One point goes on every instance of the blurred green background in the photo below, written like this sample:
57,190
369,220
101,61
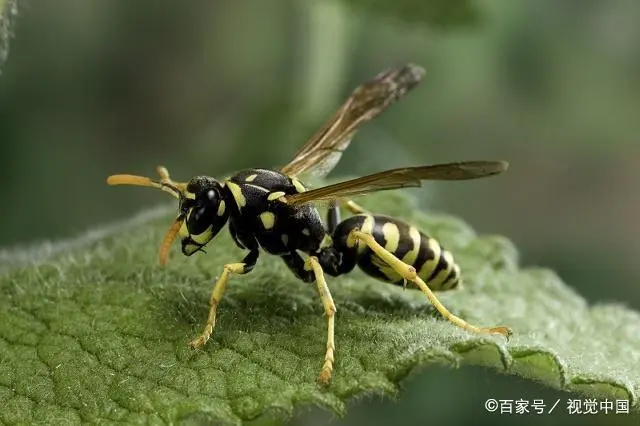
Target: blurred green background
94,87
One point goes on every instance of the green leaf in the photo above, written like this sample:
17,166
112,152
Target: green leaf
93,330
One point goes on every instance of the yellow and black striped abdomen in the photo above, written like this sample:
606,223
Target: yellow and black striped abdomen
434,264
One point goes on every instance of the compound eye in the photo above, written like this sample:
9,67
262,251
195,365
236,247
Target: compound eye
198,219
198,214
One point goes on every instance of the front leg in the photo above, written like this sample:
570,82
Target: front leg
219,287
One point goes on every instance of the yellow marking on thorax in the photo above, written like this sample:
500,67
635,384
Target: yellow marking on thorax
238,196
275,195
268,219
391,235
298,185
412,254
430,264
203,237
221,207
327,241
250,178
258,187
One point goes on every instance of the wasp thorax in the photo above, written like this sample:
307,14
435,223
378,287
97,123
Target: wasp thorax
330,259
205,213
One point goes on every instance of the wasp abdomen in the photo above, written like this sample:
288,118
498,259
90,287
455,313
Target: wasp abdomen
434,264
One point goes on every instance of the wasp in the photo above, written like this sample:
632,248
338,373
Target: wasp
271,210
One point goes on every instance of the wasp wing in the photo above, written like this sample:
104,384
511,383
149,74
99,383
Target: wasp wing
323,150
400,178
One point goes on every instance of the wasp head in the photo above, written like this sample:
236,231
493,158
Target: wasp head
204,213
202,209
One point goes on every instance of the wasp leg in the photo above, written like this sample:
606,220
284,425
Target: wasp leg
409,273
333,217
219,287
333,213
312,264
354,208
297,265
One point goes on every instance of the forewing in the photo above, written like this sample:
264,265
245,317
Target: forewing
400,178
323,150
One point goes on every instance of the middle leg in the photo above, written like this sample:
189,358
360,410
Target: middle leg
310,270
312,264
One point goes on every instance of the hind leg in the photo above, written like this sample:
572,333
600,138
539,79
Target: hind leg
333,214
409,273
354,208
